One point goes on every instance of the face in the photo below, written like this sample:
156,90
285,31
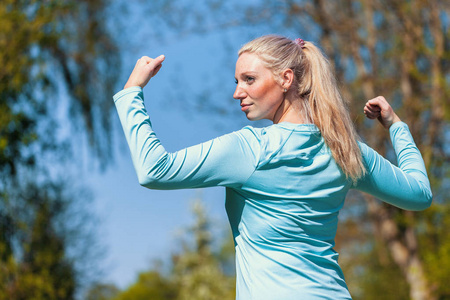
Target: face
260,95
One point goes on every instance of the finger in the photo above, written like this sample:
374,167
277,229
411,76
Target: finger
157,69
371,115
379,101
141,62
145,59
373,104
372,111
156,64
373,107
158,61
160,58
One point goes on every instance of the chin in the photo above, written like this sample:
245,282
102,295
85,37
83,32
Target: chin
251,118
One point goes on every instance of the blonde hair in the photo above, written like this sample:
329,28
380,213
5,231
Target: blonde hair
320,100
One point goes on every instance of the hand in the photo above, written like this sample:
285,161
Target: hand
379,108
144,69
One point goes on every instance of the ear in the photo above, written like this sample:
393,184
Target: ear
287,77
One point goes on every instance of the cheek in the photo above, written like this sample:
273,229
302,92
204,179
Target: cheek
272,93
268,88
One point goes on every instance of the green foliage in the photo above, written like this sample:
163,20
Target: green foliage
371,273
435,241
36,264
49,49
197,271
150,285
101,291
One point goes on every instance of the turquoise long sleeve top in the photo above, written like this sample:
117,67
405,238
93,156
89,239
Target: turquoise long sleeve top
284,192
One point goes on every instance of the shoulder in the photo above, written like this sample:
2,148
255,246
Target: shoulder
257,137
251,139
250,134
371,158
363,148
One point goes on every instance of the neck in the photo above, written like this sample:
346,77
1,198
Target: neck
289,111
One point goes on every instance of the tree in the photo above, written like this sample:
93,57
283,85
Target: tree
51,47
396,48
197,271
150,285
38,263
102,291
50,50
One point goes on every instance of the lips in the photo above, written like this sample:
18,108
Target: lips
244,107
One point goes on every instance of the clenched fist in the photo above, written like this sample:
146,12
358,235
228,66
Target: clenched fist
144,69
379,108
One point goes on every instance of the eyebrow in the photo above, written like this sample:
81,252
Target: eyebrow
247,73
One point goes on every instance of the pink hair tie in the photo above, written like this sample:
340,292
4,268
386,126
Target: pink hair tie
300,42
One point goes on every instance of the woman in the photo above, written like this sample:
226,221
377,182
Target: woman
285,183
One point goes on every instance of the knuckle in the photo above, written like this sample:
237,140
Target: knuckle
145,59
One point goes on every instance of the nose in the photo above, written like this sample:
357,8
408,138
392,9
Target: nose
239,93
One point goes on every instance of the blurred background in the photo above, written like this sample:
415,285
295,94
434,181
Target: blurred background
74,222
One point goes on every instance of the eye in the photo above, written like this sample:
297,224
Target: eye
249,79
235,81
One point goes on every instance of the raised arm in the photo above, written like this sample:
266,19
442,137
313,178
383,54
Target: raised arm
406,186
227,161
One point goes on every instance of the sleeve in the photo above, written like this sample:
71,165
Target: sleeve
228,160
406,186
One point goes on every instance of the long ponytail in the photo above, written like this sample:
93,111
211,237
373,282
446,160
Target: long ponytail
329,111
320,100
